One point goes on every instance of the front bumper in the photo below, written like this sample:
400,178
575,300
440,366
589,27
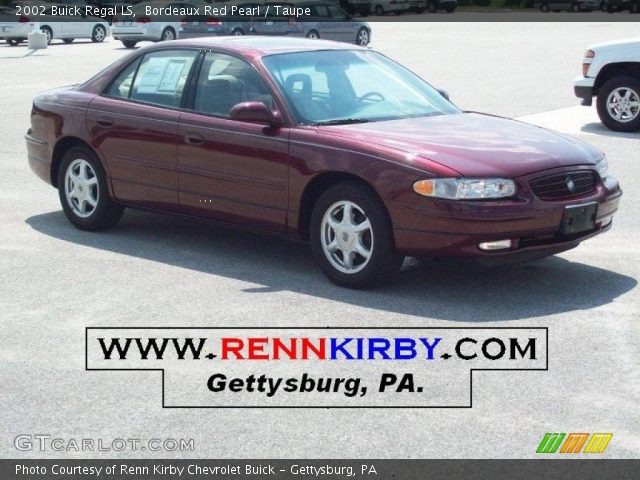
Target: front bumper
583,87
444,228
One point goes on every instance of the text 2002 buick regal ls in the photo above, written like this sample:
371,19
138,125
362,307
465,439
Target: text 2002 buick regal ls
322,141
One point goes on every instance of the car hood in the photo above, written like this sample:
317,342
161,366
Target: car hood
473,144
615,44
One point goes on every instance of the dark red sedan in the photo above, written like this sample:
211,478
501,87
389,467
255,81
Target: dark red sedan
321,141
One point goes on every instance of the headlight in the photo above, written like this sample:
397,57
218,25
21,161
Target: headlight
602,167
466,188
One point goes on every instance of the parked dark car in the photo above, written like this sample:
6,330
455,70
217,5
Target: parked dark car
569,5
432,6
320,141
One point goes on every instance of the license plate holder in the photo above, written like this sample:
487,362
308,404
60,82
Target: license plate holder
579,218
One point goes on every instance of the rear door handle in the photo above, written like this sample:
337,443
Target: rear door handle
193,139
105,122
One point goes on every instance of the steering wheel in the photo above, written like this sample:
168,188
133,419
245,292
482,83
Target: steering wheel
372,95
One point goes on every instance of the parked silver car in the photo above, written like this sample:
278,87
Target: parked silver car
326,21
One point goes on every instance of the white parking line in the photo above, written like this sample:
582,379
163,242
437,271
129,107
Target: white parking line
576,120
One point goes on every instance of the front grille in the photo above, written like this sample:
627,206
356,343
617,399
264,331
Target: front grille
564,185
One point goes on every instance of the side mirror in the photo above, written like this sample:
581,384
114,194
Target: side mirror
256,112
444,93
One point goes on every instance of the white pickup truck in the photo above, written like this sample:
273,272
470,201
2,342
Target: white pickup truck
611,73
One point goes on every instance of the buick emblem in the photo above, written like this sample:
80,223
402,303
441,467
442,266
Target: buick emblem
570,184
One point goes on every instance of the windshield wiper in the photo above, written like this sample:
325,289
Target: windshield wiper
342,121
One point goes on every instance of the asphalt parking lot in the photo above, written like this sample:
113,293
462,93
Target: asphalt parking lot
154,270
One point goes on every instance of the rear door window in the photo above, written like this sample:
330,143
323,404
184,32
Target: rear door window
162,77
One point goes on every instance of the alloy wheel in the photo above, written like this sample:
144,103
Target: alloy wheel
99,34
363,38
347,237
81,188
168,35
623,104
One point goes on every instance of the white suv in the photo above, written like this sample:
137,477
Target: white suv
611,72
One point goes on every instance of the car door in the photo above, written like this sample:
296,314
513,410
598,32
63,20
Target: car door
342,28
229,170
134,125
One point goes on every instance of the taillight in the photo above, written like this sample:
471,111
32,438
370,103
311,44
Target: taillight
23,19
143,20
214,22
292,21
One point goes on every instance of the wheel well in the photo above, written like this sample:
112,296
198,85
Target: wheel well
615,69
63,146
317,187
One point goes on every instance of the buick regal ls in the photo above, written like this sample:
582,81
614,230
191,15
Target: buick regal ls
320,141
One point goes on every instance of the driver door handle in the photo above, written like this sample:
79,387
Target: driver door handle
193,139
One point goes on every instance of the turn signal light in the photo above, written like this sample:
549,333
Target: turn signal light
424,187
586,65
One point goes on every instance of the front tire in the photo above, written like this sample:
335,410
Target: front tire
98,34
379,10
68,40
14,42
83,191
544,7
129,43
313,35
618,104
352,237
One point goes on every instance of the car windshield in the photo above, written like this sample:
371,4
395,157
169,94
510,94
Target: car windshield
352,86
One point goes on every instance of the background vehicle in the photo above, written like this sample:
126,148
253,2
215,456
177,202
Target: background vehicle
203,26
327,21
382,7
133,30
611,72
363,7
569,5
53,26
433,6
620,5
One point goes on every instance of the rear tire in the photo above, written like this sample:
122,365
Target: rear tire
84,193
68,40
450,9
313,35
614,117
168,34
337,250
544,7
14,42
379,10
432,7
575,7
363,37
129,43
48,32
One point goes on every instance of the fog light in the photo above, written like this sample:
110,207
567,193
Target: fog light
497,245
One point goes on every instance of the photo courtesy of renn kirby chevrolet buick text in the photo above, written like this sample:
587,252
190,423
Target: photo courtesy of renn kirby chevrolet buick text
321,141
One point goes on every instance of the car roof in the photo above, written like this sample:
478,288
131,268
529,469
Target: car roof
259,46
